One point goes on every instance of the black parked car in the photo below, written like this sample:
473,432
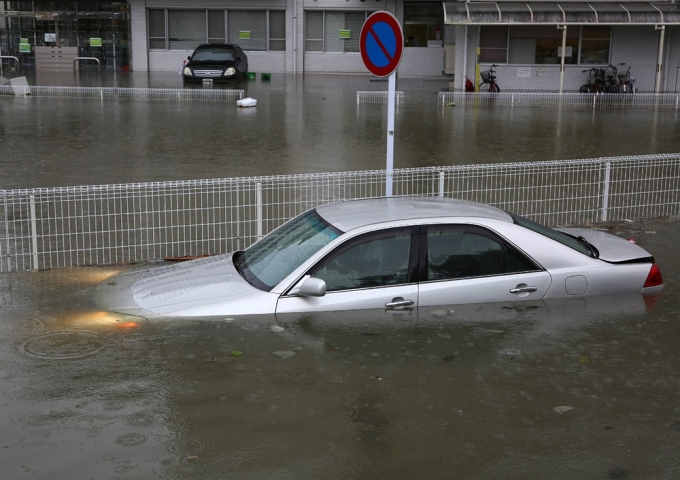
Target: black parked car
216,63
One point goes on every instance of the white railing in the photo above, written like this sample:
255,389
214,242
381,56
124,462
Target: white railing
119,93
378,97
104,224
547,99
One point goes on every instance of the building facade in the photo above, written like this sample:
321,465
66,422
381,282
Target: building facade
537,46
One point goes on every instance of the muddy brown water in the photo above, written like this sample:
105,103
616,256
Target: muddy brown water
561,393
583,390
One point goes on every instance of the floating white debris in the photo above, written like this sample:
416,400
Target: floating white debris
563,409
510,351
276,328
246,102
284,354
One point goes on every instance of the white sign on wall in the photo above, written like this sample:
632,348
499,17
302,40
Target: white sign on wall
541,71
524,72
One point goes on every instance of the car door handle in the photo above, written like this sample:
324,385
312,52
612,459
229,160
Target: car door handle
399,302
523,289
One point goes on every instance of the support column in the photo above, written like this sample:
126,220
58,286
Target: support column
659,61
564,48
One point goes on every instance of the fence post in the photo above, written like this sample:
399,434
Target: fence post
605,199
258,202
441,184
238,221
9,261
34,233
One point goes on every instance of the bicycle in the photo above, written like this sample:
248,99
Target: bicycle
627,82
489,81
595,82
611,83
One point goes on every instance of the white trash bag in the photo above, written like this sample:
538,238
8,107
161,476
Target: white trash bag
246,102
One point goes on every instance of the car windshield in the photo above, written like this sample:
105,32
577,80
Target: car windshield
267,262
561,237
213,54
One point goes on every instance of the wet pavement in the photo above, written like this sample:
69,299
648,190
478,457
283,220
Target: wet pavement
300,125
580,390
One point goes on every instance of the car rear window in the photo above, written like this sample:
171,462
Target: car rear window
213,54
560,237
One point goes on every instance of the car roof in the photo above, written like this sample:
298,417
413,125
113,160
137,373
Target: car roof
353,214
216,45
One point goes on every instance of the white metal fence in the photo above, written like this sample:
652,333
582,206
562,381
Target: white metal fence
505,99
586,100
86,225
377,96
117,93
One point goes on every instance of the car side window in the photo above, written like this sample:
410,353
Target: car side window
375,261
462,253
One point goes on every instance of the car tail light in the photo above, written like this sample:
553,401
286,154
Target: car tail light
654,278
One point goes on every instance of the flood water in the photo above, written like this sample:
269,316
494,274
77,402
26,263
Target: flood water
581,390
300,125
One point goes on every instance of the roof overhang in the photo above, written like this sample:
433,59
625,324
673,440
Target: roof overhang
562,13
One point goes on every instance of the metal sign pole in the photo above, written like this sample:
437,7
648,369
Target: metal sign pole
391,93
381,44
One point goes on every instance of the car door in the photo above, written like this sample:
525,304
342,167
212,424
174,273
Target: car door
465,264
377,270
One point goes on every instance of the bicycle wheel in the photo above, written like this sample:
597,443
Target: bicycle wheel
484,87
587,88
494,88
613,88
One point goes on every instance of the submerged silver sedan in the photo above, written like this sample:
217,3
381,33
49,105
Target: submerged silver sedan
398,253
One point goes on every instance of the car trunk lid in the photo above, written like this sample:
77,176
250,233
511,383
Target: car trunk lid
611,248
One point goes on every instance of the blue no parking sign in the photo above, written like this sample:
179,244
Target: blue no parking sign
381,43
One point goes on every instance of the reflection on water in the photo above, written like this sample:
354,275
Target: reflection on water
300,125
575,390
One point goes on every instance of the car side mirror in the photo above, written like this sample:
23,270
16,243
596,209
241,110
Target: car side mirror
310,287
189,57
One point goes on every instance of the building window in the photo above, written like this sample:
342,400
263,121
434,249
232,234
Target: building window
423,23
541,45
186,29
253,30
248,28
217,27
157,29
277,30
333,31
595,44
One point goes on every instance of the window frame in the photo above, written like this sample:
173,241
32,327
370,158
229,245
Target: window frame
366,13
579,47
429,23
267,40
473,229
412,275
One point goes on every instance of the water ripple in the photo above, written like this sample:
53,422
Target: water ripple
63,345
